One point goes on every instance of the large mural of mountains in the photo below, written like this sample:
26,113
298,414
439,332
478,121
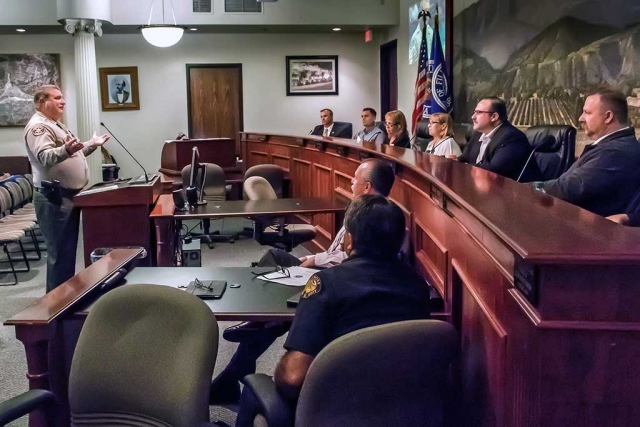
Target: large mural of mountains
545,78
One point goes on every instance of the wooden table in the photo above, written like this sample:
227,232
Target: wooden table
165,216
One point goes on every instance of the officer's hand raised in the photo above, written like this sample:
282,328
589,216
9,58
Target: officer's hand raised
97,141
72,144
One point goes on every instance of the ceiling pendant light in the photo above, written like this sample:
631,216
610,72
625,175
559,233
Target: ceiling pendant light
162,35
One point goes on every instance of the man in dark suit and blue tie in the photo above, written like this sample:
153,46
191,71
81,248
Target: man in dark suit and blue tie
331,128
497,145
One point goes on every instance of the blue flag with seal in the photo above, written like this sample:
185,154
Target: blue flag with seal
441,99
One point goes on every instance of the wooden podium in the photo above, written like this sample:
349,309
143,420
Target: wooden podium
118,217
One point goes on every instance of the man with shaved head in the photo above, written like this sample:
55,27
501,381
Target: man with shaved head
605,177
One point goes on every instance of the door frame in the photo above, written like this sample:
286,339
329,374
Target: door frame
240,99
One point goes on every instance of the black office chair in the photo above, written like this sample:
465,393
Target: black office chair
145,356
553,158
273,230
349,127
422,137
214,190
390,375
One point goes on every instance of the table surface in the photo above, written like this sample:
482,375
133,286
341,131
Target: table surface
230,208
255,299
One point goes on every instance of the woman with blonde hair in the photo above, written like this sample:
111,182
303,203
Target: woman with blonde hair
441,129
396,126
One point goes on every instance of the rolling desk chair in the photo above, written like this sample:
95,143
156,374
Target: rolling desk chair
145,356
274,174
389,375
215,190
270,230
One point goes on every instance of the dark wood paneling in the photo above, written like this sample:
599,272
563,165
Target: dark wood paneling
483,359
214,98
470,229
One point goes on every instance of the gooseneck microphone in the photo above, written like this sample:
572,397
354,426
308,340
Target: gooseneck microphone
146,177
547,143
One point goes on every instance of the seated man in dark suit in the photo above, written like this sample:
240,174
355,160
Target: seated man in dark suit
371,287
330,128
496,145
605,178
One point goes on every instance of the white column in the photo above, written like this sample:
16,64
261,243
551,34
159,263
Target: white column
87,103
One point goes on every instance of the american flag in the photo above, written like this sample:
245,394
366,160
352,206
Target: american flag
422,89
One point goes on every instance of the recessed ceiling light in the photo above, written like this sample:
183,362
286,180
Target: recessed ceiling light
193,29
337,29
20,30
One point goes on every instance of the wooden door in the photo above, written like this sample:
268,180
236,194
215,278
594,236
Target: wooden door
388,78
214,97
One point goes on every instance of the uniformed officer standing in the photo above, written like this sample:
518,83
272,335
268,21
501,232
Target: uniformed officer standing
371,287
57,155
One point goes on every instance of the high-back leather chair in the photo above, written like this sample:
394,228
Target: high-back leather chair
348,126
145,357
272,230
389,375
552,161
274,174
422,137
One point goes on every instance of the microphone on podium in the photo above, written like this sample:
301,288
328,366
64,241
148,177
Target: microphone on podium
146,177
545,145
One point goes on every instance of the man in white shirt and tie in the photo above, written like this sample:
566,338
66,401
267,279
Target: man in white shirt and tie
329,128
497,145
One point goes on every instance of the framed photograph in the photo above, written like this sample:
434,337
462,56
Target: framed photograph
21,74
312,75
119,88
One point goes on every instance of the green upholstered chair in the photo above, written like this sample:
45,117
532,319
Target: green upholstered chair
145,357
389,375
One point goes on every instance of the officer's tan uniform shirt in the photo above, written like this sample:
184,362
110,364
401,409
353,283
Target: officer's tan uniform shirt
49,158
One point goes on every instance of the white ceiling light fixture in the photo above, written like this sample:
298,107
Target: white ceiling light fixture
162,35
337,29
20,30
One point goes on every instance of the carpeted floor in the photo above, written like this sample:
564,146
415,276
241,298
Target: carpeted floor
32,285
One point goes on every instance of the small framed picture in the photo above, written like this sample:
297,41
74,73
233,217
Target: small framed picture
119,88
312,75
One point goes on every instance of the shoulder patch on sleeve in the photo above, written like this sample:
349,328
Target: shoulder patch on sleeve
38,130
313,286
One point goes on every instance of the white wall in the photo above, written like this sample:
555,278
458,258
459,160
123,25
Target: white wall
163,94
11,142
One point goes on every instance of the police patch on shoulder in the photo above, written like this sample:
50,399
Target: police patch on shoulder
313,286
38,130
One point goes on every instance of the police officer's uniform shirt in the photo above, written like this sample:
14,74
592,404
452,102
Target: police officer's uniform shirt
356,294
48,155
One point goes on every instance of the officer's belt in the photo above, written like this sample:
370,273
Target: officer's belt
67,193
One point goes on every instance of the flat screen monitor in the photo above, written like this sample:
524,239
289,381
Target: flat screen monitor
195,193
195,165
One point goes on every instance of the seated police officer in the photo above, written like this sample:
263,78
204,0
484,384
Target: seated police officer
373,176
371,287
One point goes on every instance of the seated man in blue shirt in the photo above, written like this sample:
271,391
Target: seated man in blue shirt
371,287
370,132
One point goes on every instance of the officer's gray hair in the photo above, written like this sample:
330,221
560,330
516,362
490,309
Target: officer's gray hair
43,92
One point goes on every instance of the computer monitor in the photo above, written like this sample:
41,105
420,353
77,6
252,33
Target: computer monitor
195,193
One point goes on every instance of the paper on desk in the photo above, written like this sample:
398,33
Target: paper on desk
299,276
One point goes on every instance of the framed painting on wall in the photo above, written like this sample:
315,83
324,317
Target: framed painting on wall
119,88
20,76
312,75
